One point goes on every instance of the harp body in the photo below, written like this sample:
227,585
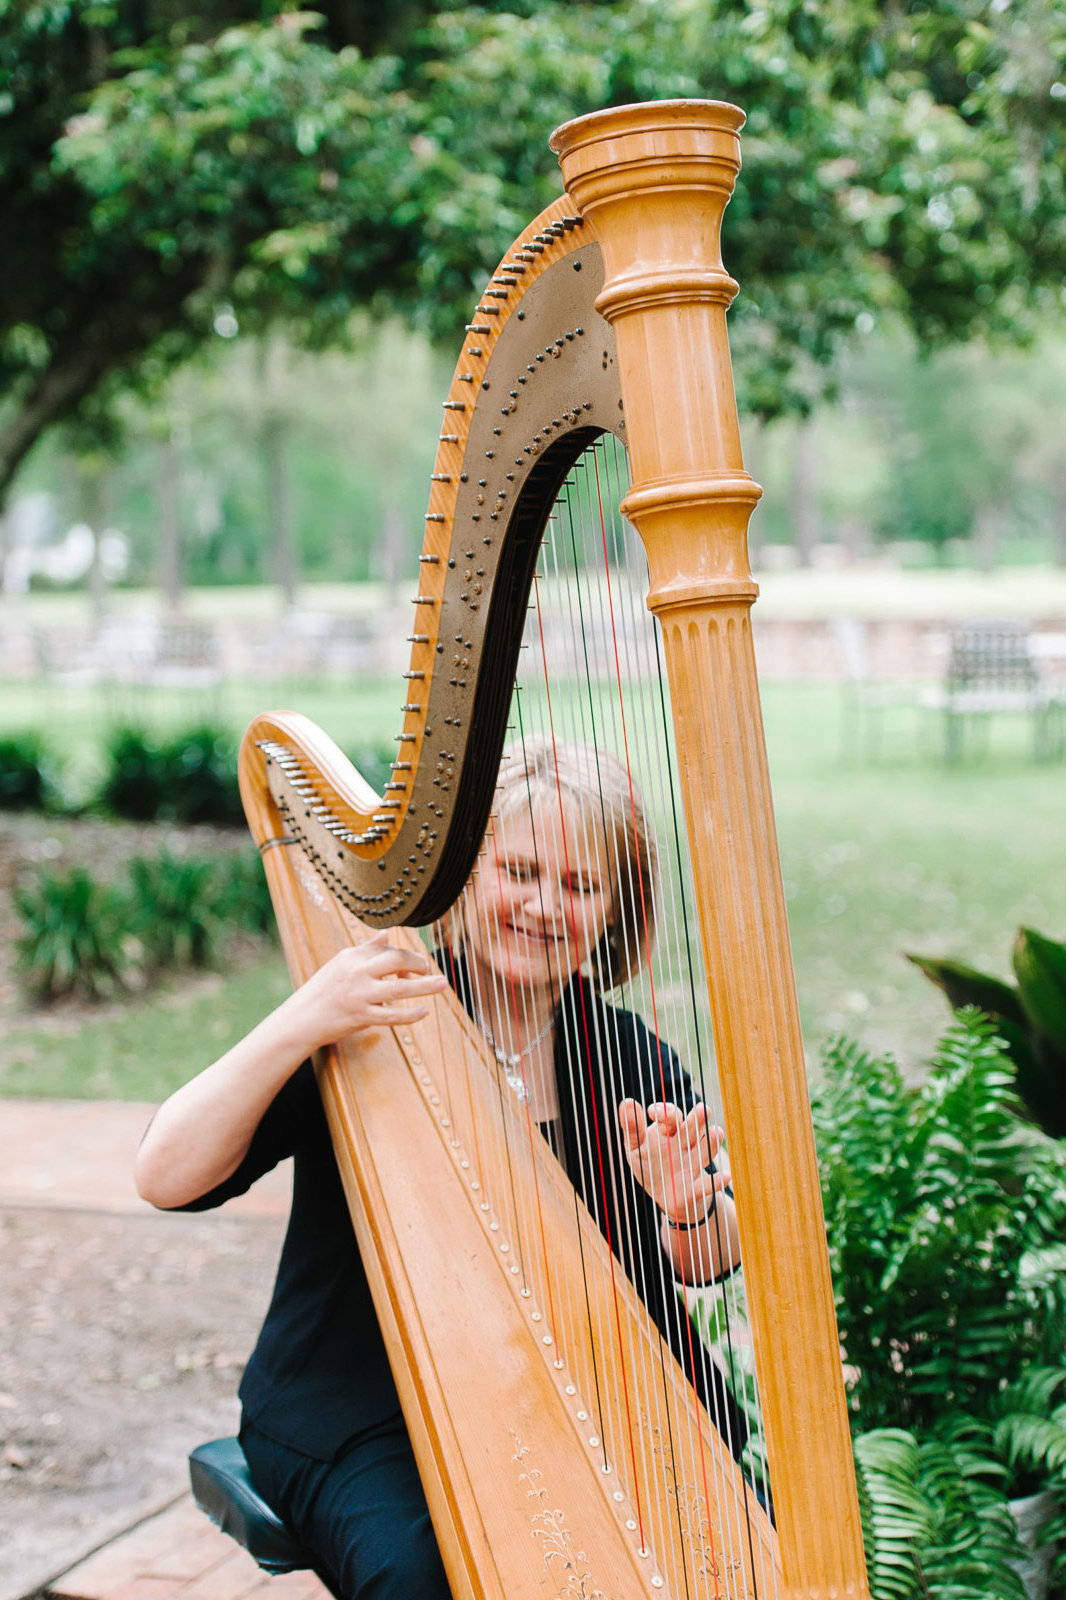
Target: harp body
607,316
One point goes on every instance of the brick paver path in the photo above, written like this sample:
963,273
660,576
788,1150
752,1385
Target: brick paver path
178,1555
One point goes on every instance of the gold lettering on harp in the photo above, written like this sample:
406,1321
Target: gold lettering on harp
311,886
558,1544
710,1566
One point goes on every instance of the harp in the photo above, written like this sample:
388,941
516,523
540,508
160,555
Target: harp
606,318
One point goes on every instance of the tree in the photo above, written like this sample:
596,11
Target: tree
160,172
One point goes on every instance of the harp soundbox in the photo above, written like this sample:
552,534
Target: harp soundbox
563,1450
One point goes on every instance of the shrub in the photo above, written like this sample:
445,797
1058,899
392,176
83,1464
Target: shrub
174,909
189,778
75,939
242,895
137,780
27,781
374,763
934,1527
1029,1014
941,1206
202,778
945,1215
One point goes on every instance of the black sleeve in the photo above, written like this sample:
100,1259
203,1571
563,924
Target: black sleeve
653,1073
284,1127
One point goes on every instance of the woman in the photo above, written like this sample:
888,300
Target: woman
559,909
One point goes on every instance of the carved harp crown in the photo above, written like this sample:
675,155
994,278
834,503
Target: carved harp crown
608,316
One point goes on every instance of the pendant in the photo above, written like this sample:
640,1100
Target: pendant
509,1066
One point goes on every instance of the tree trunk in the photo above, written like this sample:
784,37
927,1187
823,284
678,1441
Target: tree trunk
803,496
393,563
168,488
272,437
90,474
988,528
1059,514
854,536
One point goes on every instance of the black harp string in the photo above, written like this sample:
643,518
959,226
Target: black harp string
642,633
591,517
675,883
581,615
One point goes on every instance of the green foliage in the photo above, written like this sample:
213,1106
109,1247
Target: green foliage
75,939
202,778
933,1525
242,897
941,1208
27,775
250,163
945,1216
136,781
189,778
1029,1014
174,910
373,762
81,937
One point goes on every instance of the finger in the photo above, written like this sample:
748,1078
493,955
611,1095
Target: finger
395,1015
397,984
391,960
633,1123
667,1117
700,1138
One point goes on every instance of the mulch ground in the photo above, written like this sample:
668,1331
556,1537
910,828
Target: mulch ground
122,1339
122,1336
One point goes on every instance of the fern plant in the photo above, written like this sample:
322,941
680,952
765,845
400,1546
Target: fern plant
946,1215
934,1522
74,937
942,1206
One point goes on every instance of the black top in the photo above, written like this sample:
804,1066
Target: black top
319,1372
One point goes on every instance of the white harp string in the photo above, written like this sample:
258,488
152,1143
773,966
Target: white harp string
590,674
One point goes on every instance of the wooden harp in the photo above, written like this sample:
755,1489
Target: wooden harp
607,317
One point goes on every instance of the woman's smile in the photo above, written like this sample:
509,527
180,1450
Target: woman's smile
541,901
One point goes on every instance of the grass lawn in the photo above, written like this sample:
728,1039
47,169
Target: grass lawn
879,856
143,1049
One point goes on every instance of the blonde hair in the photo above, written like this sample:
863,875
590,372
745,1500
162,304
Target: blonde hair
538,768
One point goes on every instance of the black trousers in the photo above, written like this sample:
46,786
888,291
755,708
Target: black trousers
363,1516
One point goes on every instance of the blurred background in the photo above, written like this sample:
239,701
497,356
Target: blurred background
240,247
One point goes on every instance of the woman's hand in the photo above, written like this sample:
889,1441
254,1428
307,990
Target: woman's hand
200,1136
370,985
669,1154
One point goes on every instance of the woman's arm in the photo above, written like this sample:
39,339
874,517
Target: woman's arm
669,1154
201,1134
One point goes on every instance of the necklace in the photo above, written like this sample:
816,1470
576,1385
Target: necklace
510,1064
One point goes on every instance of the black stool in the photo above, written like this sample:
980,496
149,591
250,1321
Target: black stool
223,1489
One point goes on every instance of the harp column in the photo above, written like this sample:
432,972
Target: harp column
653,182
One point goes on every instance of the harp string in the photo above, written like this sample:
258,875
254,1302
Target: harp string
639,902
635,895
591,674
628,557
685,1031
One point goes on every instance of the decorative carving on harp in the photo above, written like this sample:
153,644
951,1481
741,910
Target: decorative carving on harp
563,1450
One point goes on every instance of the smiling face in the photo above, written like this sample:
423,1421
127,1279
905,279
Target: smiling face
541,900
